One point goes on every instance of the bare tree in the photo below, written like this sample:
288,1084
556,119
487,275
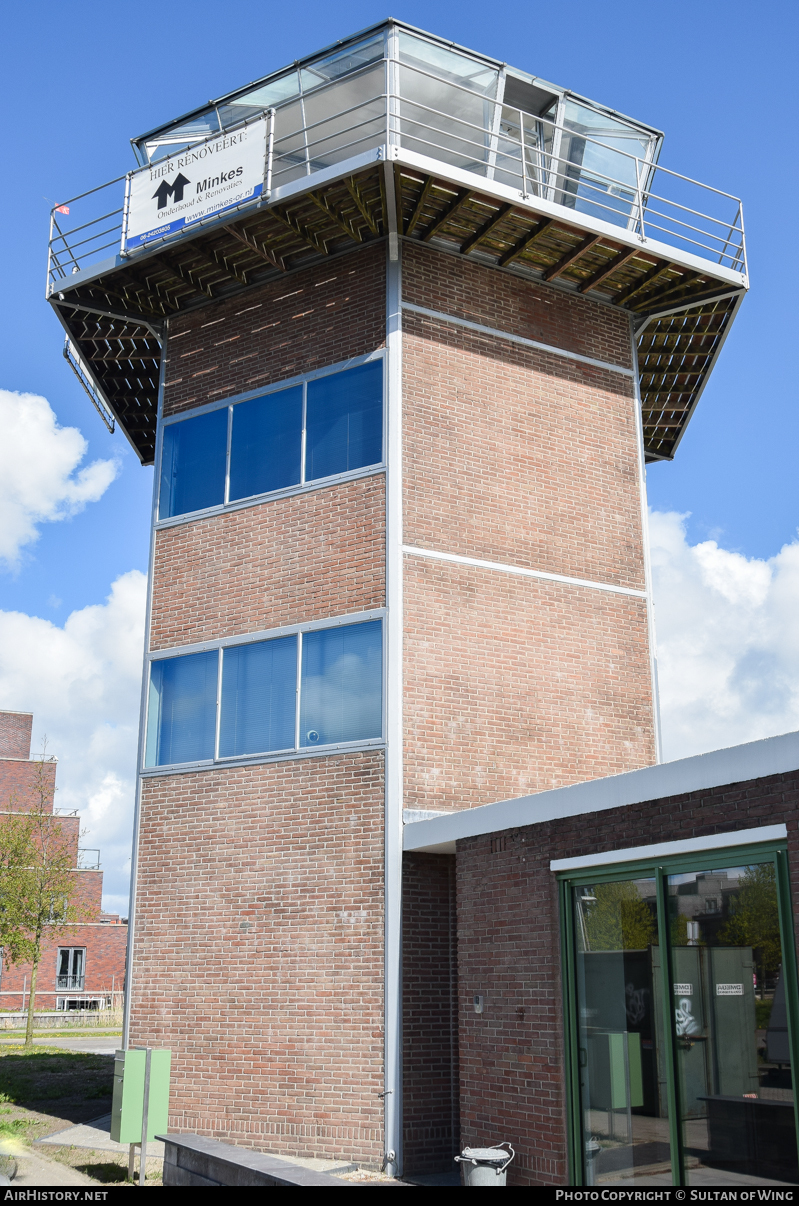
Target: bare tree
39,886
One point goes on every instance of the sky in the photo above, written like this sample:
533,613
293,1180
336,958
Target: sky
80,80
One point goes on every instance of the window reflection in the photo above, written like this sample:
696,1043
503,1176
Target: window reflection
447,106
181,713
622,1074
342,684
193,464
598,164
337,418
340,696
730,1026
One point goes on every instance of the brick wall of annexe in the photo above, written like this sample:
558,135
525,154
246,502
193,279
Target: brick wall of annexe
511,1057
430,1093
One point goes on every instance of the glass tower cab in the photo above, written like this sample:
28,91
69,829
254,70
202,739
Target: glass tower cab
396,134
482,117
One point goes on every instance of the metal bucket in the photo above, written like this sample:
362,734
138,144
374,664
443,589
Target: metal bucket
484,1165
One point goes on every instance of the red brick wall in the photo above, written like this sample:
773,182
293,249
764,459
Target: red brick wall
15,734
258,953
515,685
472,291
528,459
429,1014
281,562
518,456
511,1056
23,784
70,835
305,321
105,966
259,921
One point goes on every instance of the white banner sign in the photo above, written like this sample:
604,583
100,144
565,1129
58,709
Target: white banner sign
729,990
209,177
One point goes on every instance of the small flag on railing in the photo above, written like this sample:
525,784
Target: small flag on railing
62,209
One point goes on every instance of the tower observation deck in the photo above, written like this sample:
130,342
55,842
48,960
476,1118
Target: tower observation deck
397,133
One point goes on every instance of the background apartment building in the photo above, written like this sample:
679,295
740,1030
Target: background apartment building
82,965
399,397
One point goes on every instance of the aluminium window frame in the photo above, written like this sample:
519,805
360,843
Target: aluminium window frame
70,974
301,487
659,869
254,638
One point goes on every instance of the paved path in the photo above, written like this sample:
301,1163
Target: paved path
97,1045
97,1136
34,1168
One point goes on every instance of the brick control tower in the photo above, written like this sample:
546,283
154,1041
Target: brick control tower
399,328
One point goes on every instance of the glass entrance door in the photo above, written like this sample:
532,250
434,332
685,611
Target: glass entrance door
623,1104
681,985
734,1069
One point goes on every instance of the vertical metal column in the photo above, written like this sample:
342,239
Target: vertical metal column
134,866
496,119
650,608
392,1086
145,1111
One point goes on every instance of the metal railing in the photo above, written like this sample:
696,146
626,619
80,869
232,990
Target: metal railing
535,157
74,982
88,859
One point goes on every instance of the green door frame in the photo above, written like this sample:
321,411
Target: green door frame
660,870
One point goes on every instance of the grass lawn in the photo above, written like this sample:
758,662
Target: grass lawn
45,1089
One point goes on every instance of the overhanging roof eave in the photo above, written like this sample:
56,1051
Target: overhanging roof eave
492,188
701,772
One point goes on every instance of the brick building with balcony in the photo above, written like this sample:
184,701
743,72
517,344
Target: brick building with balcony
83,964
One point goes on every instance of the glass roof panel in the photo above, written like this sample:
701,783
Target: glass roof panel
167,142
267,95
448,64
342,62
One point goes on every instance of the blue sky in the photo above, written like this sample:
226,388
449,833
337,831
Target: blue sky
79,80
719,79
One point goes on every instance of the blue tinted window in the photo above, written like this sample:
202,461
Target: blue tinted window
193,464
342,679
181,718
266,444
344,421
259,684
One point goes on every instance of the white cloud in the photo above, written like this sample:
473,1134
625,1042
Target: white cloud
727,641
83,682
39,477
